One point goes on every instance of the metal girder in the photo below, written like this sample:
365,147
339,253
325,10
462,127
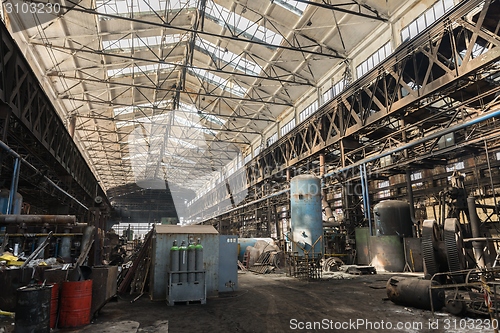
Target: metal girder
364,118
337,7
165,24
252,100
22,92
88,50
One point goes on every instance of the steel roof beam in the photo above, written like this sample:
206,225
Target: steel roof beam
164,24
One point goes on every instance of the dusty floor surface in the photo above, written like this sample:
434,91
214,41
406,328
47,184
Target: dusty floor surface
277,303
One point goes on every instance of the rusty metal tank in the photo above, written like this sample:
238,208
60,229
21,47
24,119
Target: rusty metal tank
415,292
306,215
392,217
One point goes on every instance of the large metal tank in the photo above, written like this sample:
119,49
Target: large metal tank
411,291
306,218
392,217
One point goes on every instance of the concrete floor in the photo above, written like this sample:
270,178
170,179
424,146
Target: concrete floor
277,303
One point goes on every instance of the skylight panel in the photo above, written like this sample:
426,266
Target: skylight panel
203,115
241,25
293,6
228,57
125,44
218,81
129,7
139,70
120,111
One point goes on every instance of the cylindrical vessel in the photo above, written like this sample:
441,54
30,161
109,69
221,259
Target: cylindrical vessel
191,258
392,217
76,302
16,205
54,304
65,250
414,292
306,216
199,260
183,264
174,262
33,309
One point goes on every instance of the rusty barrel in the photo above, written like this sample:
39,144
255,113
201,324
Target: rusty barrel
76,302
415,292
54,304
33,309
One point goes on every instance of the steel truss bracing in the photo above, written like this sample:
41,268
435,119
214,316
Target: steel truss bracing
36,132
446,76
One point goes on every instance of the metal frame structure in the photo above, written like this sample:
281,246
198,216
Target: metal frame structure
445,78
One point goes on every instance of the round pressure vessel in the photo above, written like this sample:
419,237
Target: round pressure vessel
183,266
191,258
174,262
306,215
199,260
392,217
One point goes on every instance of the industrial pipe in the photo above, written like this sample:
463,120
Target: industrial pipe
37,219
475,228
13,186
410,144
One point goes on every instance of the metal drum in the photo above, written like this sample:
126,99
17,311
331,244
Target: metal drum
306,215
76,303
33,309
410,291
392,217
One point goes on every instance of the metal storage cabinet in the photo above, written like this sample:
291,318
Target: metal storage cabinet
228,263
162,242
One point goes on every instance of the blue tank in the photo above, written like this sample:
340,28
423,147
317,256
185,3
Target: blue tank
306,216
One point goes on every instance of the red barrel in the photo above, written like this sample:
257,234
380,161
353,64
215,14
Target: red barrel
54,304
76,301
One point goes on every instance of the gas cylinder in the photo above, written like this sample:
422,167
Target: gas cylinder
191,257
174,262
183,266
199,260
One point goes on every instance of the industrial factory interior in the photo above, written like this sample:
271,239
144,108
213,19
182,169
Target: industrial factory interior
249,166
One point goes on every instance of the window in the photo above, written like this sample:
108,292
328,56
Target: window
426,19
256,151
287,127
498,156
383,184
416,176
309,110
456,166
272,139
293,6
374,59
227,57
248,158
335,90
218,81
240,25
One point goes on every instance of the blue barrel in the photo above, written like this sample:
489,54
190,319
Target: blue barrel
306,216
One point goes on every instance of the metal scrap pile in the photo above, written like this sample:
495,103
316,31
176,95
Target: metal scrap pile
263,257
